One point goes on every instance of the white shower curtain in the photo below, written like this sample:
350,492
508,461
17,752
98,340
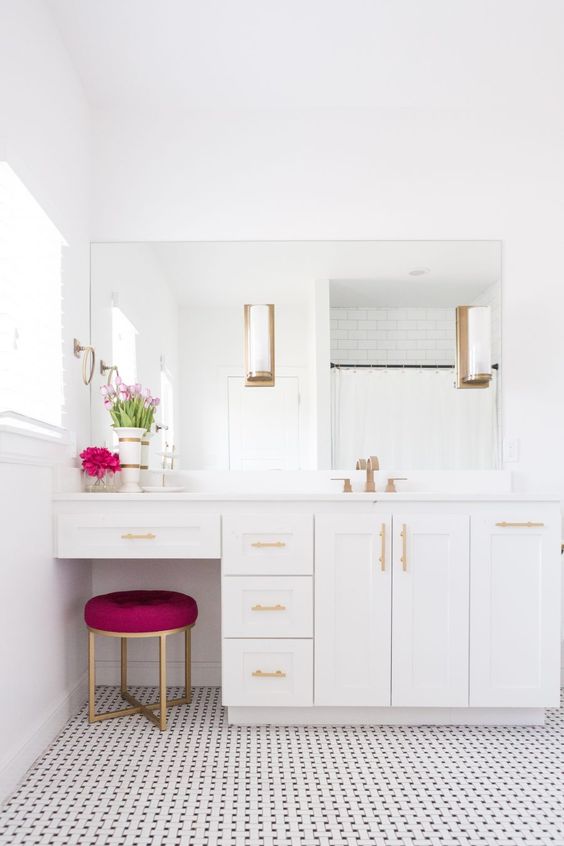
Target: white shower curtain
412,419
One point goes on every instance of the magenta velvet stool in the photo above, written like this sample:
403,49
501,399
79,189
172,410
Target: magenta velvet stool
140,613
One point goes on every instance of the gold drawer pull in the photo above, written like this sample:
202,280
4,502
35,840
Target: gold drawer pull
278,674
383,547
528,525
403,559
260,607
263,544
147,536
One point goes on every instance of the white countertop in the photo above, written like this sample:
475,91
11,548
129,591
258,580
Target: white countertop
264,496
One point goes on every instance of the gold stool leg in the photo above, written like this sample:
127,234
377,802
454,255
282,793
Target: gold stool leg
123,687
91,675
162,682
188,666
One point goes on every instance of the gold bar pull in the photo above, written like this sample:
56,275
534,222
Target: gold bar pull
264,544
383,547
147,536
528,525
278,674
260,607
403,535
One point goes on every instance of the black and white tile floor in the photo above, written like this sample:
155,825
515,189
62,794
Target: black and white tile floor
203,783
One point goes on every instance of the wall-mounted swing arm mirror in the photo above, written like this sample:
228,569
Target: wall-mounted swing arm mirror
370,356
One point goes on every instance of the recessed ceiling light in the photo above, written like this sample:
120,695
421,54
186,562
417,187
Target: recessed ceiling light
419,271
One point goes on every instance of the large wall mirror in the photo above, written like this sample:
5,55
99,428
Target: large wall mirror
365,351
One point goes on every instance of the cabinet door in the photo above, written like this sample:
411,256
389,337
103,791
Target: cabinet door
514,611
430,610
352,609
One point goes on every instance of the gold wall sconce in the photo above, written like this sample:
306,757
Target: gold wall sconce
473,347
88,359
259,346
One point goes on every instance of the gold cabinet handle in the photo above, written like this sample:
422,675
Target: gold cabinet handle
383,547
528,525
146,536
277,674
260,607
264,544
403,559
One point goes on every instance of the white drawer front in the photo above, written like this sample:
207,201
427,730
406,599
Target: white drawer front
267,606
138,536
267,672
268,545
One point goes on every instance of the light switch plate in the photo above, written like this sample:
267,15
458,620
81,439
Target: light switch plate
510,450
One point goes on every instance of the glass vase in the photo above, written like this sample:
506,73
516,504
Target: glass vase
105,484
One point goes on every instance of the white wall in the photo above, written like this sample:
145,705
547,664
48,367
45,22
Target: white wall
406,173
44,136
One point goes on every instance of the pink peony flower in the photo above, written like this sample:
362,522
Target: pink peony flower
96,461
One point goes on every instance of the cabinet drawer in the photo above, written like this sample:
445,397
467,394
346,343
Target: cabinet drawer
267,606
268,545
111,535
267,672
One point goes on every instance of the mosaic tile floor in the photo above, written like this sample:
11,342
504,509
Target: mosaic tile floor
203,783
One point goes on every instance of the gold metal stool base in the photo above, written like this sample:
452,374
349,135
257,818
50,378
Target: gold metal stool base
138,707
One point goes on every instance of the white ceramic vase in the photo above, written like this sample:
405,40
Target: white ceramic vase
129,444
145,444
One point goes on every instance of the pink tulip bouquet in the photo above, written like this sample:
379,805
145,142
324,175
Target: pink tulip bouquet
130,405
97,461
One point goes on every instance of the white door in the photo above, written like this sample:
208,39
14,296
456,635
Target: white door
514,612
430,610
264,430
352,609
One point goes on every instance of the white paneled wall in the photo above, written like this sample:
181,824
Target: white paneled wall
393,335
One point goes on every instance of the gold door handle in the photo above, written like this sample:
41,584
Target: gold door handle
403,535
264,544
146,536
383,547
277,674
260,607
528,525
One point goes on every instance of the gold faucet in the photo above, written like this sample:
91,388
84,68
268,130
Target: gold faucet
370,465
347,487
391,486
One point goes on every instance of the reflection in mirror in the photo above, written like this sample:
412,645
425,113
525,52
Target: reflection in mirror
365,353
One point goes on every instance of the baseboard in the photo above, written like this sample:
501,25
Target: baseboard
146,673
355,716
14,769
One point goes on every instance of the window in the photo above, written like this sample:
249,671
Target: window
31,356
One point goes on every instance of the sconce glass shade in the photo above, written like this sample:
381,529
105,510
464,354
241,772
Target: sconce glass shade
259,346
473,347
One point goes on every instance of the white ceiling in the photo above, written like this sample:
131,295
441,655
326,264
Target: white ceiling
292,54
361,272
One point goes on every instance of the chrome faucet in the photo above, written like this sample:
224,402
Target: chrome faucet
370,465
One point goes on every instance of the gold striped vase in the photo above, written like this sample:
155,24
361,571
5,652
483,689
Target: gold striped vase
129,445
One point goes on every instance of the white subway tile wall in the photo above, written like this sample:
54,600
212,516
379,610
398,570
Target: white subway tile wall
393,335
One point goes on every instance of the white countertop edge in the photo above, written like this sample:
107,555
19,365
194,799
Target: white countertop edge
406,496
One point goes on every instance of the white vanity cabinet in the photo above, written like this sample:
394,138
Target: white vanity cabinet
353,609
514,609
358,608
430,610
267,609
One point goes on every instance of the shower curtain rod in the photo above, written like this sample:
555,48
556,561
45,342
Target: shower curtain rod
401,366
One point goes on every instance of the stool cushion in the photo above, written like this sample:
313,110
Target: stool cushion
140,611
